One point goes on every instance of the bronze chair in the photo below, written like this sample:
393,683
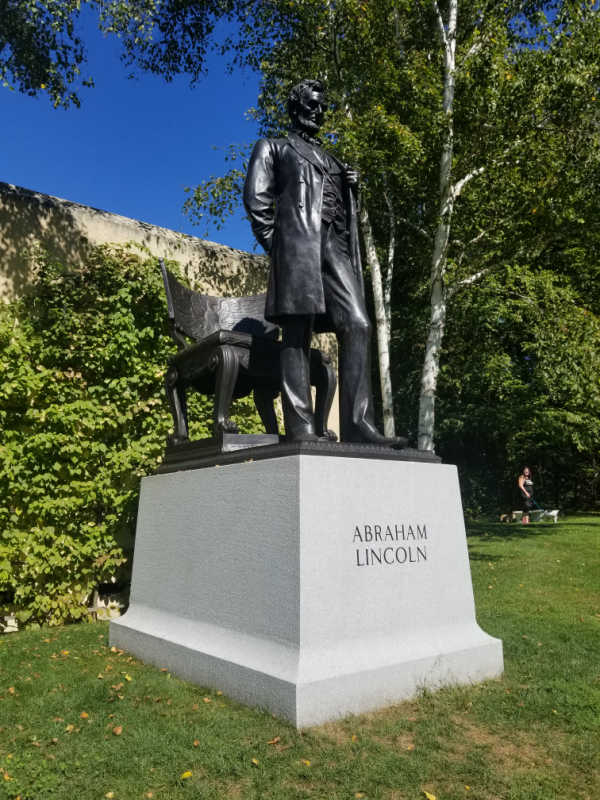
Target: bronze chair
233,351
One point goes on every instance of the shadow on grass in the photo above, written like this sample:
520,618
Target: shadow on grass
508,531
475,556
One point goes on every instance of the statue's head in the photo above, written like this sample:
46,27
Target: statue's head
306,106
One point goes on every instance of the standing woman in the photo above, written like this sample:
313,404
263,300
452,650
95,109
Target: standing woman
526,488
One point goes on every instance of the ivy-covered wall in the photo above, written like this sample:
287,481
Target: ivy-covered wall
84,417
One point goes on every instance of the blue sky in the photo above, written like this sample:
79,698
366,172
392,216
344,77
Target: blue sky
133,145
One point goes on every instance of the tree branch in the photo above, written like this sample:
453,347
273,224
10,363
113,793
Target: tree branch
472,51
440,23
416,228
451,290
460,185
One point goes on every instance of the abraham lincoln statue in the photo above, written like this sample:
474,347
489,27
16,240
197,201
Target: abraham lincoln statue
299,199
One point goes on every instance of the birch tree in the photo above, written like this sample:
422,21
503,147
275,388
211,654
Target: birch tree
550,68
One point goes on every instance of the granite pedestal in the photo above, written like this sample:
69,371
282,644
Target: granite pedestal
311,586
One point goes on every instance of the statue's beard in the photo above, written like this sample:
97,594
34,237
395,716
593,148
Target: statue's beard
307,124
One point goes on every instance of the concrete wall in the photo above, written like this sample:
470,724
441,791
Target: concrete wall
29,220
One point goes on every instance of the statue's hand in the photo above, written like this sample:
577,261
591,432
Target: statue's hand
351,176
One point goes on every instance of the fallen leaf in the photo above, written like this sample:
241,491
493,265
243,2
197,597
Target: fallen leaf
429,796
113,649
305,761
354,737
275,740
11,689
185,775
117,686
219,693
207,700
117,730
149,795
84,715
64,652
196,742
101,676
109,795
359,795
195,707
255,762
128,677
70,728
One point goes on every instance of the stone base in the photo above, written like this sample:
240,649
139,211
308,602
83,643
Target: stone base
311,586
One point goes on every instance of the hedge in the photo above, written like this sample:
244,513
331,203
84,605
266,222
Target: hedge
84,417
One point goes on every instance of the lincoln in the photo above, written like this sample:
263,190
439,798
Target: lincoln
300,202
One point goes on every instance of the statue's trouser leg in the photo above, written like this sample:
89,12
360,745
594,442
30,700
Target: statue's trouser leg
296,398
346,309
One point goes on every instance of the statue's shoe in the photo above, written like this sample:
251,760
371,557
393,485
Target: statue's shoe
365,433
302,436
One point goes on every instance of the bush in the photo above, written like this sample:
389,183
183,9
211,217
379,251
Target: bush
84,417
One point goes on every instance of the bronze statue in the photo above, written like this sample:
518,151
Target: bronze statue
300,201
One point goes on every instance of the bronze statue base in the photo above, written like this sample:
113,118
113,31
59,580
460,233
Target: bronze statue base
228,449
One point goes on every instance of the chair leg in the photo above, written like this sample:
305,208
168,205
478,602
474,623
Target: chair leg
263,400
323,378
225,361
175,390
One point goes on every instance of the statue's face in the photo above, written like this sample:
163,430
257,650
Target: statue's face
309,111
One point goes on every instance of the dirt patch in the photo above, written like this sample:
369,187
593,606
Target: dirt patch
232,791
517,752
373,725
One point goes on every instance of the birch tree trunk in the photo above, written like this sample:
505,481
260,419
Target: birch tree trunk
382,322
437,316
383,312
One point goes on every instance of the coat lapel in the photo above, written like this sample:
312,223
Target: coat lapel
307,152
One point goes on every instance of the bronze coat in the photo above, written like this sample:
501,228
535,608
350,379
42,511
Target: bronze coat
283,196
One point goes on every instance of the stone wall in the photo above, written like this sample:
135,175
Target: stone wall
29,220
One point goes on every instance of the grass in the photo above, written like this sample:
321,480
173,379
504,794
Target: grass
78,720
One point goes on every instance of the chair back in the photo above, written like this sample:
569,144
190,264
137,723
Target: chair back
197,316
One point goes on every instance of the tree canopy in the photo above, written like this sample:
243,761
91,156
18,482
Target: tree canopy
42,49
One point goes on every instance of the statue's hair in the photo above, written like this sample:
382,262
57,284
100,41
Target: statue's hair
296,92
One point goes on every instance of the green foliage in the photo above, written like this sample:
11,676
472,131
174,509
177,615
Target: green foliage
218,197
520,386
40,47
84,416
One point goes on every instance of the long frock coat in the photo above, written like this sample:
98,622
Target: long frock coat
283,196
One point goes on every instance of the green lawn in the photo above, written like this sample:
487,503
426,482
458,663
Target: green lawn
80,721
